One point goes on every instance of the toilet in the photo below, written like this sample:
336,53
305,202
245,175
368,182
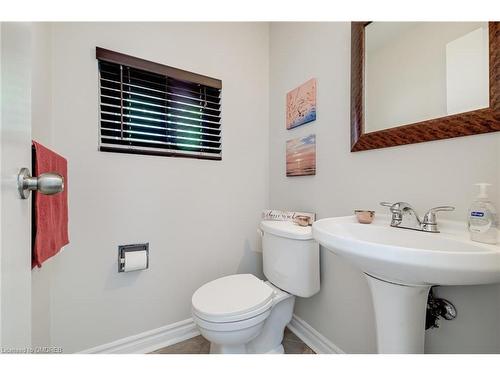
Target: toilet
243,314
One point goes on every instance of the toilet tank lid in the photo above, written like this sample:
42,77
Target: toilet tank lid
287,229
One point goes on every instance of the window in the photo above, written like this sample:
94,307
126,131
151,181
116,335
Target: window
154,109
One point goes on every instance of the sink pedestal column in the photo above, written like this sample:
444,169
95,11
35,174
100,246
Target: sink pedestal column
399,316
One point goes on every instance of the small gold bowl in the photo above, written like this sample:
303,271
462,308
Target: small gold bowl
364,216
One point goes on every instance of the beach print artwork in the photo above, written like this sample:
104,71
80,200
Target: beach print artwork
301,156
301,104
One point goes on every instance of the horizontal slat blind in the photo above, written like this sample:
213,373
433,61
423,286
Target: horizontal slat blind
149,113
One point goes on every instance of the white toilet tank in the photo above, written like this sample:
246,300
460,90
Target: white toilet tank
290,257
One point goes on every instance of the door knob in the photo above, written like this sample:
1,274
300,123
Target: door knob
46,183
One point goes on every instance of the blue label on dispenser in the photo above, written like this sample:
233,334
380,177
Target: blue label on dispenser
477,214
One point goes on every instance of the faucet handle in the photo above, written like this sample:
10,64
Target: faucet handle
442,208
386,204
429,223
430,216
398,206
395,210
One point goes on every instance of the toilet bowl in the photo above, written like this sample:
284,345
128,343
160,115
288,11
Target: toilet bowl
243,314
227,338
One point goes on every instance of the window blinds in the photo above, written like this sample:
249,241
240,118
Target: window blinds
149,108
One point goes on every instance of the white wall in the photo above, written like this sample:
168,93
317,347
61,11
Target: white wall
200,217
425,175
467,72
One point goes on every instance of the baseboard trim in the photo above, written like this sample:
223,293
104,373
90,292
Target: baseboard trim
312,338
149,341
171,334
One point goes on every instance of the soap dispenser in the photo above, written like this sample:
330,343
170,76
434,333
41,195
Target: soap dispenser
483,220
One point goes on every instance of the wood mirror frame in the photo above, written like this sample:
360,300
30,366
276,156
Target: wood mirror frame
483,120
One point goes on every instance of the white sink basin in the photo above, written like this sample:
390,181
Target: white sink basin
401,265
411,257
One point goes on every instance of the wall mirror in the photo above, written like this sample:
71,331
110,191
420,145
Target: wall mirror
421,81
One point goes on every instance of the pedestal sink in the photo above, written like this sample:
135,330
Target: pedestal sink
401,265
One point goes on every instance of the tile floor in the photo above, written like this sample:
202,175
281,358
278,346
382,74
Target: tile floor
198,345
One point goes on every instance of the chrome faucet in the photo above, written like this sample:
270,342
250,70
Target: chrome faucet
405,216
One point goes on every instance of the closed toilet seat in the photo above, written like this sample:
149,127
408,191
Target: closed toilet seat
232,298
231,326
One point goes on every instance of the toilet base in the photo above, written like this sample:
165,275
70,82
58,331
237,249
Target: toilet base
271,337
227,349
240,349
278,350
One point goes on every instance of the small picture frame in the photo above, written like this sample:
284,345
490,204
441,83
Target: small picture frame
301,104
301,156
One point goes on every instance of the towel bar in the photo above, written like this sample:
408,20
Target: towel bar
46,183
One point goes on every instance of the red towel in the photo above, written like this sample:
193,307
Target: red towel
50,211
